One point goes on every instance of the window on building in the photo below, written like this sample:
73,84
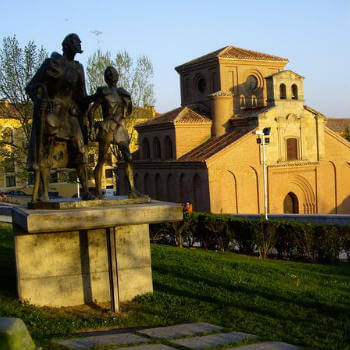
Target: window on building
283,92
292,149
254,101
109,173
146,154
294,92
9,165
10,181
242,103
168,146
251,83
156,148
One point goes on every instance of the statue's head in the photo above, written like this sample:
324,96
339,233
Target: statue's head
111,76
72,43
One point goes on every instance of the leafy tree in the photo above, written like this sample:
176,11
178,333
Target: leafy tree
134,75
17,66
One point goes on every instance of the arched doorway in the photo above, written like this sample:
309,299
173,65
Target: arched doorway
291,204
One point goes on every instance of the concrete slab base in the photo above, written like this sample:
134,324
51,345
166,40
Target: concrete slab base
104,257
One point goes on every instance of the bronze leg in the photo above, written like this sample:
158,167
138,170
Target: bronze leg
102,155
129,170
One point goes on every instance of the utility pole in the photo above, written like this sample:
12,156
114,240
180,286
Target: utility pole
263,140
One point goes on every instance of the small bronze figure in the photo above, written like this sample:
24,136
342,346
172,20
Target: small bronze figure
116,106
60,105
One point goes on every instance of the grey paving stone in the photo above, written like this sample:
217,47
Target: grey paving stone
269,345
147,347
212,340
180,330
109,339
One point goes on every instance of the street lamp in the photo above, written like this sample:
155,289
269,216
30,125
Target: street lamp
263,140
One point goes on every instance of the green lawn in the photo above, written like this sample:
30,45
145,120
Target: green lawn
298,303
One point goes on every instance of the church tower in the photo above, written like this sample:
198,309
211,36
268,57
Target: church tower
228,81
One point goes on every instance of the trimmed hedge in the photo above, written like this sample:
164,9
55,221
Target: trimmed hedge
284,239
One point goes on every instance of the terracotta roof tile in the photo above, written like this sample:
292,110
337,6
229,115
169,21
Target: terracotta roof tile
233,52
179,115
338,124
212,146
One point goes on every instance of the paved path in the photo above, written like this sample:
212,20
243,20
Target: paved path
183,336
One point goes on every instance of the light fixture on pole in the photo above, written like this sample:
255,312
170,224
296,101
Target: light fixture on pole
263,140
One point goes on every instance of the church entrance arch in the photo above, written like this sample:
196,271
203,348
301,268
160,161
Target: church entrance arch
291,204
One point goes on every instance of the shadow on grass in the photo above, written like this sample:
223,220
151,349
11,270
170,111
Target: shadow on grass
192,278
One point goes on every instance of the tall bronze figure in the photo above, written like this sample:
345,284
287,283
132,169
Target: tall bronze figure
116,105
60,105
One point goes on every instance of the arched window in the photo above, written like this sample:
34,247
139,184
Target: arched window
242,103
292,149
168,147
137,182
197,192
171,188
146,184
156,148
294,92
158,187
283,92
254,101
183,197
127,185
146,154
291,204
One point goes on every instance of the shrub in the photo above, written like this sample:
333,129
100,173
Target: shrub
291,240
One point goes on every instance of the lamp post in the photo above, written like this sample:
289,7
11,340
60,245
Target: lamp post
263,140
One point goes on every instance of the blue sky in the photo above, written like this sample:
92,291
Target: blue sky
313,34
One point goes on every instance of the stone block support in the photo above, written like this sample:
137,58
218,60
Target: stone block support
89,265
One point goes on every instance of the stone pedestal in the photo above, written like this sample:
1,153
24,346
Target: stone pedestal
76,256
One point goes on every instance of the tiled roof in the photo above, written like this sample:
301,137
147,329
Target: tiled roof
178,116
338,124
233,52
212,146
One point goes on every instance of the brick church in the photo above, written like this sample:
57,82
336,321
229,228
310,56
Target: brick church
205,153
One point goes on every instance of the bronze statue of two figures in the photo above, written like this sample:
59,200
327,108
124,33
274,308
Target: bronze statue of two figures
62,114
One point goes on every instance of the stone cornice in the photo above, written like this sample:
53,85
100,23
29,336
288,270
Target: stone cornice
291,164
